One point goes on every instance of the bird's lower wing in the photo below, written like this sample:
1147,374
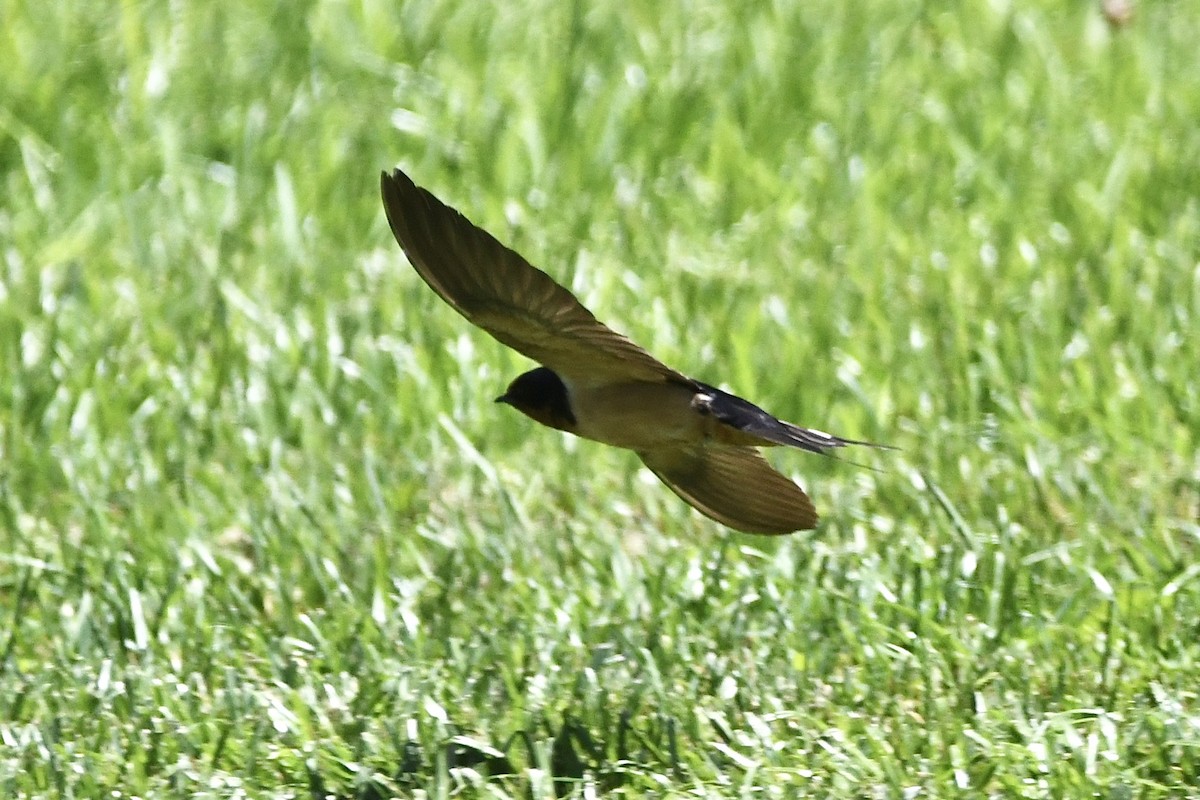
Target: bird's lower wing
735,486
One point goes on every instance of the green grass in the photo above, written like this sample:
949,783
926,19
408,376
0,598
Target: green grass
264,534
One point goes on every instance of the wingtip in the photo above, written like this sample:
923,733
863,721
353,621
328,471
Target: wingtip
395,180
397,191
387,184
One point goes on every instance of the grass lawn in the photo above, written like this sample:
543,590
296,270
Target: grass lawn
264,534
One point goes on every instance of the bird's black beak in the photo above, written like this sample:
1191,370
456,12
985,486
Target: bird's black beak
502,399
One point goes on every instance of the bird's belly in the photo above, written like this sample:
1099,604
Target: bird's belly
639,416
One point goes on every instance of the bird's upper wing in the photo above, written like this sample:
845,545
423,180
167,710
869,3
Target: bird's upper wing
498,290
735,486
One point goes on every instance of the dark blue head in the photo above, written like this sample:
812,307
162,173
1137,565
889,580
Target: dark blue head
542,396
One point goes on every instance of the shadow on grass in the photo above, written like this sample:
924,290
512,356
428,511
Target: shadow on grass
571,756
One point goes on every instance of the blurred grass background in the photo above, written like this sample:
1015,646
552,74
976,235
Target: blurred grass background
265,535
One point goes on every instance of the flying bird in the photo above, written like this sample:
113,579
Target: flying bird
700,441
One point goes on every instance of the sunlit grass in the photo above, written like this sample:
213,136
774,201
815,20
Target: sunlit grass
265,533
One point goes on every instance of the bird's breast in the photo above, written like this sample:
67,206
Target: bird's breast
637,415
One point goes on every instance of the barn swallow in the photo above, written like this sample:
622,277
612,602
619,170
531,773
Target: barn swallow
700,441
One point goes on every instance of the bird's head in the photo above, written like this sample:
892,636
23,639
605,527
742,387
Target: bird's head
542,396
